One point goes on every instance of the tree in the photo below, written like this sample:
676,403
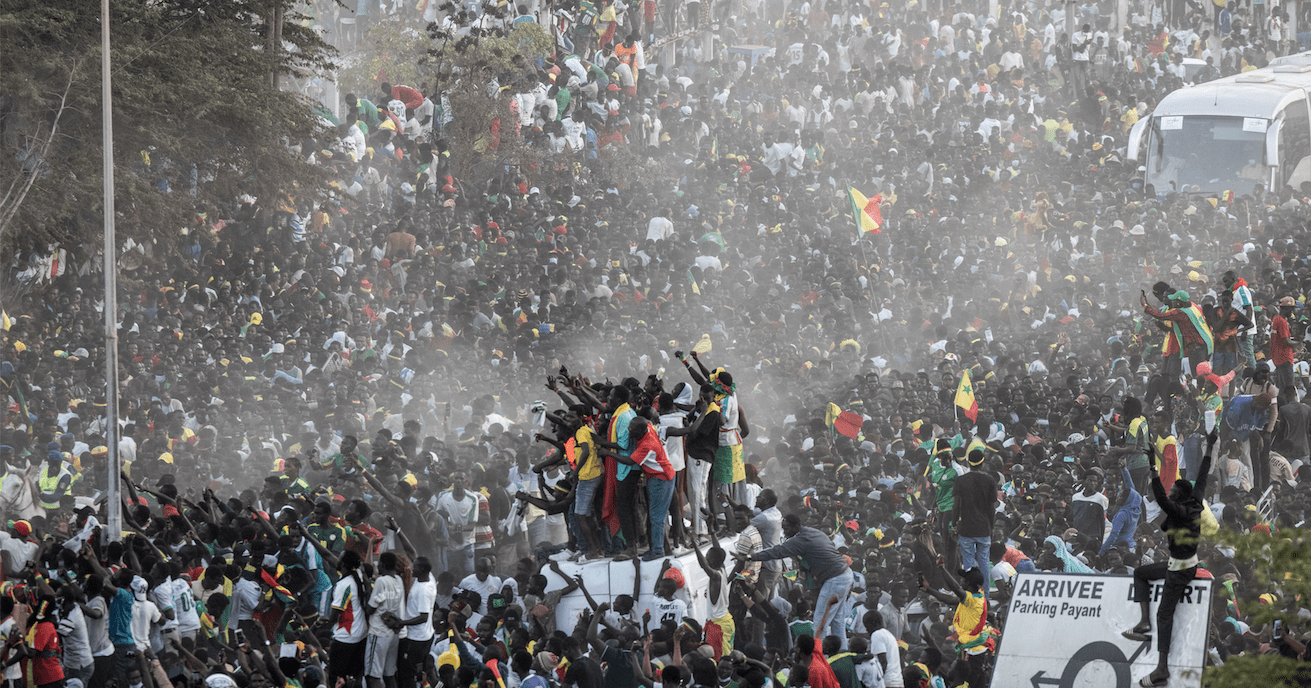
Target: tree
472,73
1278,567
197,121
390,51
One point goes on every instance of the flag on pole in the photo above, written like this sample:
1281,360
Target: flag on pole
965,397
5,322
865,212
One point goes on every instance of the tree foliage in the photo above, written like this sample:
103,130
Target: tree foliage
193,100
1277,565
391,51
471,72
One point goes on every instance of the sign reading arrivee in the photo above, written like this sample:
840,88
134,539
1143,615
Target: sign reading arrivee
1064,630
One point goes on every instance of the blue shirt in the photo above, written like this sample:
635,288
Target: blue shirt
120,618
1242,417
624,441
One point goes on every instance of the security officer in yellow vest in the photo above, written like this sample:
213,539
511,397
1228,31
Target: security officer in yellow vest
55,480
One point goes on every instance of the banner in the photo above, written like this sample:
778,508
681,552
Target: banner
1063,630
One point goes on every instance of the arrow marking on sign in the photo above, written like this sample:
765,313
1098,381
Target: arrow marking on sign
1039,679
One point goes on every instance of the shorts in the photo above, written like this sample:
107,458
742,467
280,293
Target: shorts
585,494
729,467
380,655
346,659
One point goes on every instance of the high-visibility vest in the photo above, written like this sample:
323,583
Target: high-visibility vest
49,485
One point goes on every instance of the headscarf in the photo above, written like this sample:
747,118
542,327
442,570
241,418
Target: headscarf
1072,564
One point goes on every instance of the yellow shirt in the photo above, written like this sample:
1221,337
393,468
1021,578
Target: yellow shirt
969,621
591,468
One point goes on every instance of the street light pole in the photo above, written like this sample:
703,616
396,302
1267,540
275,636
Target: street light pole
115,515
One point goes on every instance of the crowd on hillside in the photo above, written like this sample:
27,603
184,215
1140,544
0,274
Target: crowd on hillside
362,435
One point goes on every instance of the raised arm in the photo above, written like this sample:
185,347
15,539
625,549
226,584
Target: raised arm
1204,470
592,638
642,670
405,539
571,583
705,372
328,557
382,491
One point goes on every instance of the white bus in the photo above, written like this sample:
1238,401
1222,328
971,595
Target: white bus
1230,134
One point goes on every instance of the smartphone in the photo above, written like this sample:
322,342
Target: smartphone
240,636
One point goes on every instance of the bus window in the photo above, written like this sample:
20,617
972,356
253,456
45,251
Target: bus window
1295,145
1205,154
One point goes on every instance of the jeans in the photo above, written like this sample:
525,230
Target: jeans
1246,355
839,585
626,499
461,560
1175,584
122,662
539,533
659,493
974,553
1224,361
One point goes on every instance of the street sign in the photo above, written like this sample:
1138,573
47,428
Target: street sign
1064,631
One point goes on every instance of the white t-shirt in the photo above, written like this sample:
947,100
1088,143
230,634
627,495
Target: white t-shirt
162,596
350,626
673,445
20,552
388,596
881,642
184,606
97,629
421,600
144,613
1077,40
870,674
659,228
670,610
461,512
8,630
486,588
73,636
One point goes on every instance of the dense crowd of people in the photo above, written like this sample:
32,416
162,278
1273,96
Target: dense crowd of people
363,435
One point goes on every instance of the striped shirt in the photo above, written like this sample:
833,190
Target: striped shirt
748,543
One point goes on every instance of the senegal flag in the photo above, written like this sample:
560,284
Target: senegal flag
965,397
865,212
843,422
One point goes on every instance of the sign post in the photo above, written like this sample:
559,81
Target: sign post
1065,630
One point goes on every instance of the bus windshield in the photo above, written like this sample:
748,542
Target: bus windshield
1206,154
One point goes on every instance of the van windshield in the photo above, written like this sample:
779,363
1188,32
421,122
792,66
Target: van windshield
1206,154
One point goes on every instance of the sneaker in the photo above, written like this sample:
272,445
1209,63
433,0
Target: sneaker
652,556
563,555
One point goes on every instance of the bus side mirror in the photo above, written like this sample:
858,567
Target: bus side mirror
1136,138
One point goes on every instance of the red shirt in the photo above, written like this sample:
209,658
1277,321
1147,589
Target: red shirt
649,453
45,665
367,541
1014,556
1280,352
821,674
